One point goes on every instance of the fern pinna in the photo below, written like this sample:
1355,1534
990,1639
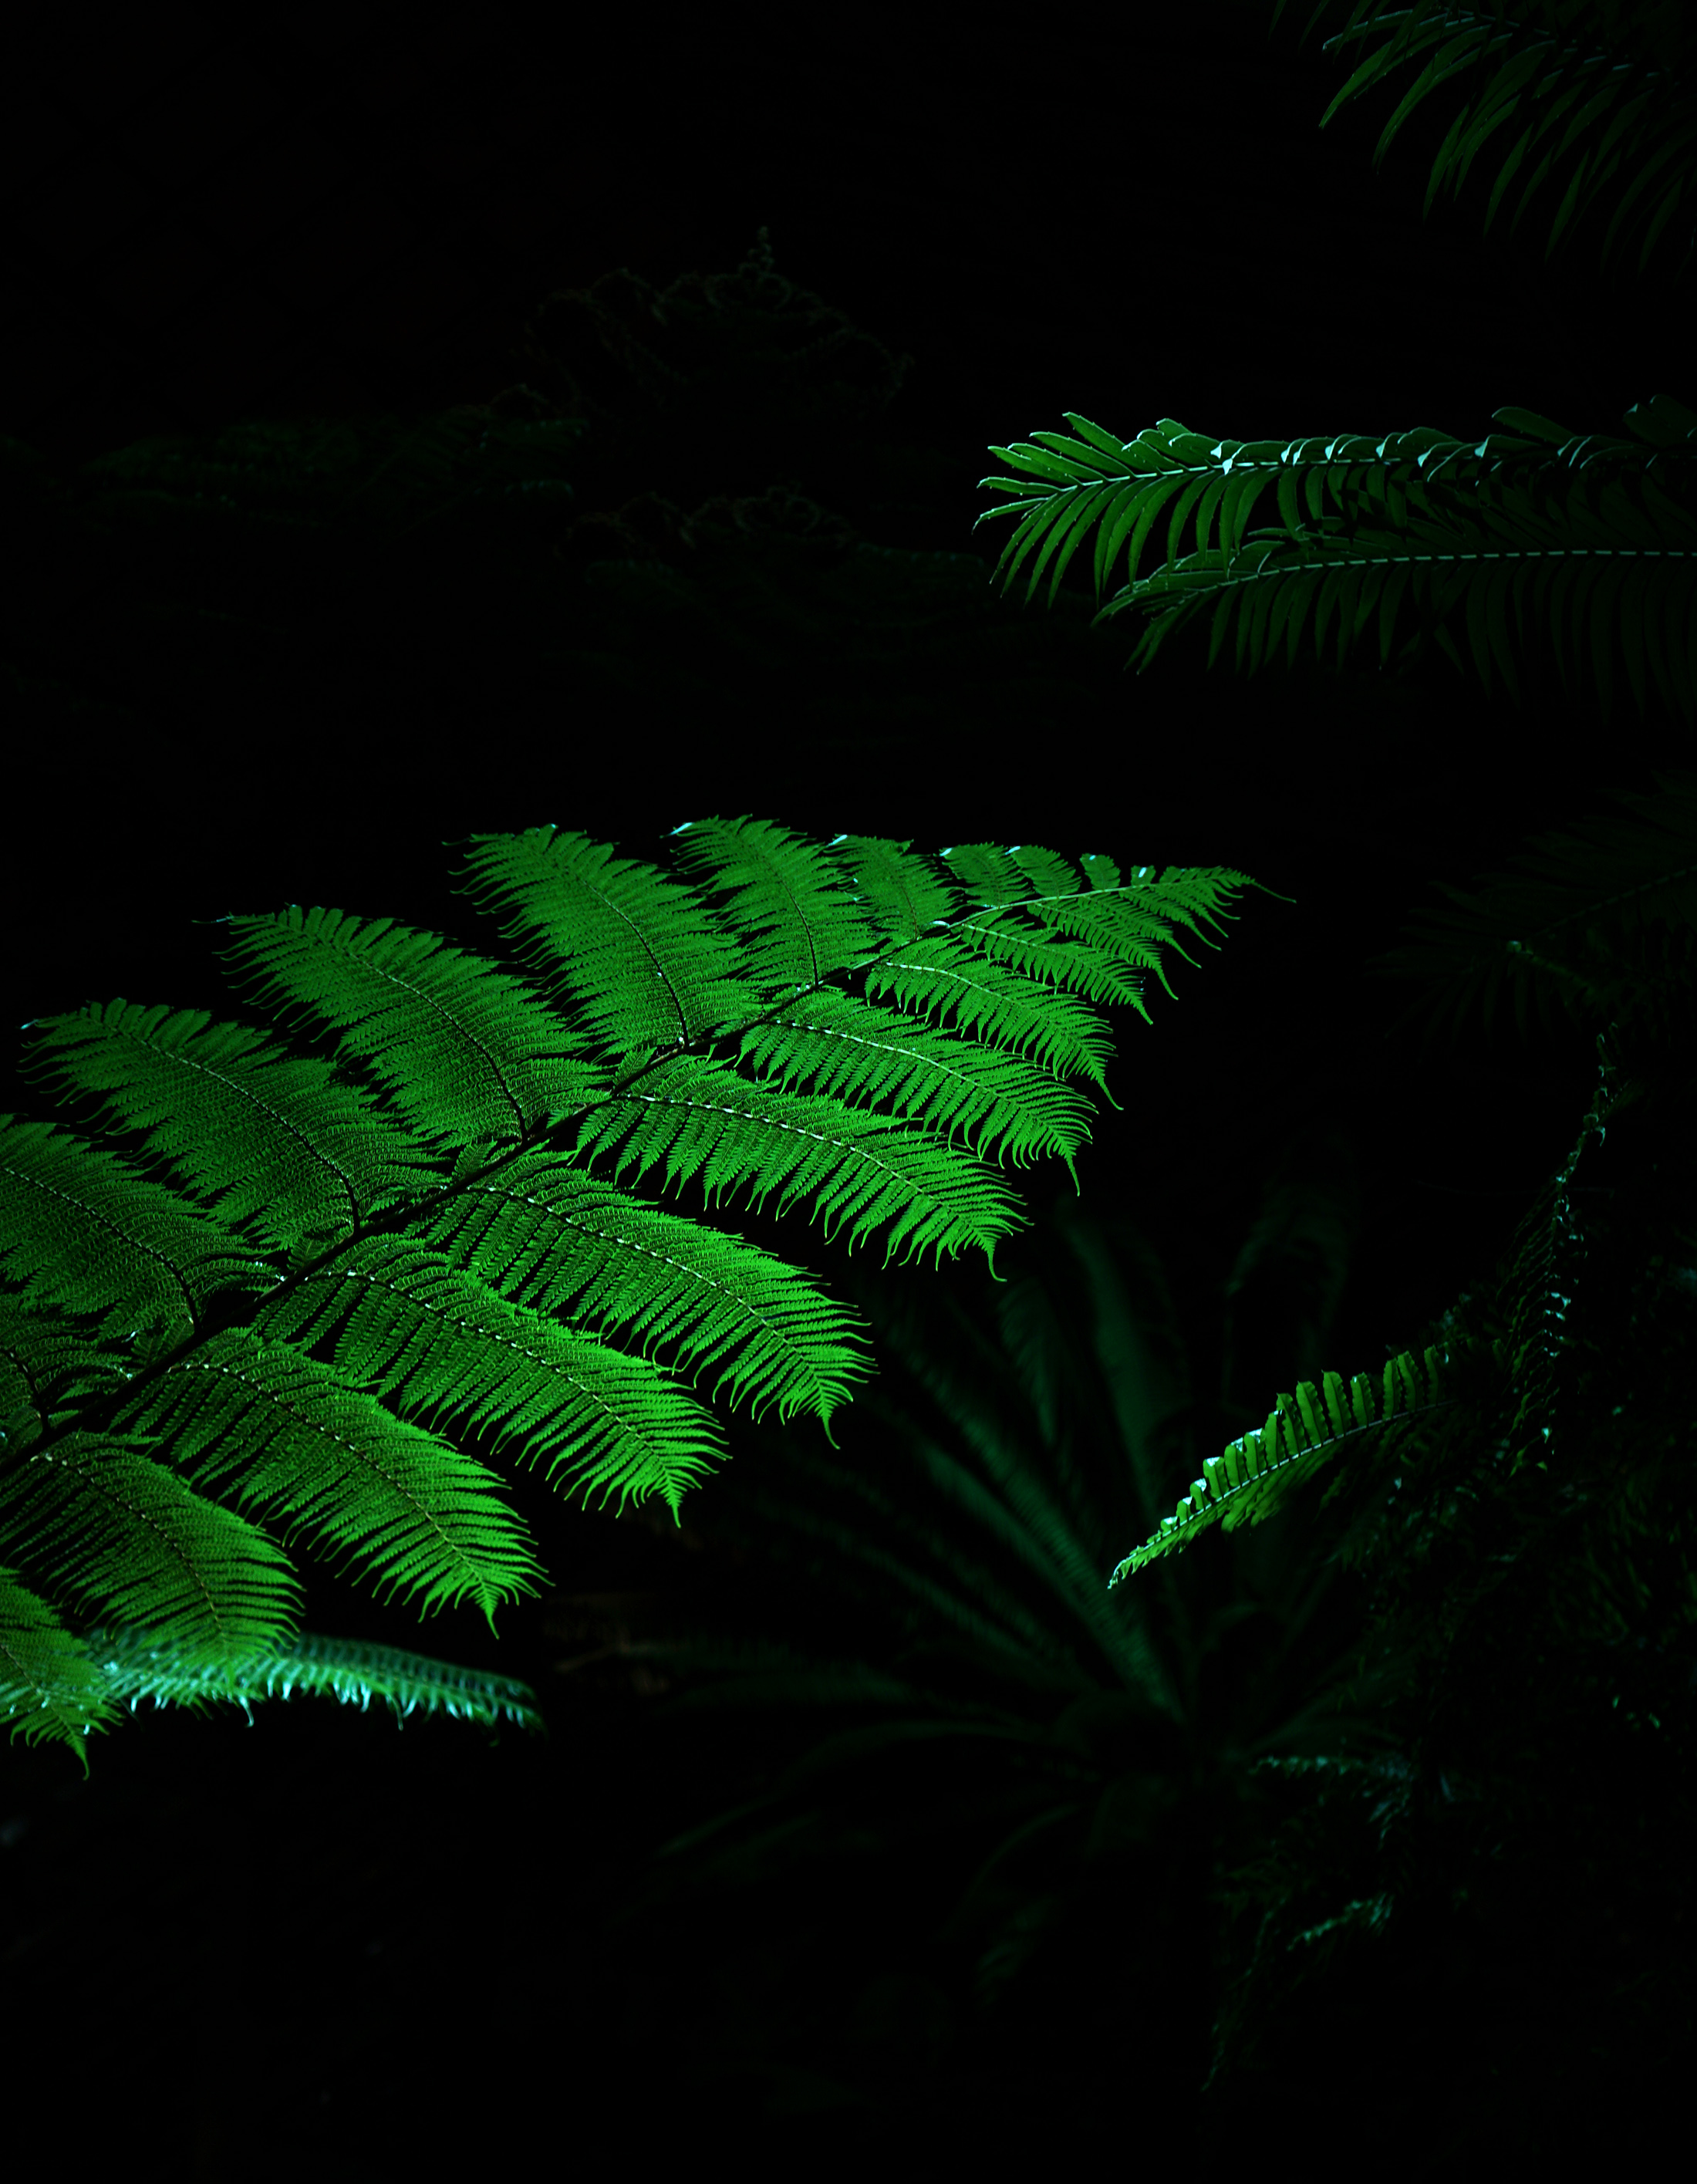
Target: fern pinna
267,1314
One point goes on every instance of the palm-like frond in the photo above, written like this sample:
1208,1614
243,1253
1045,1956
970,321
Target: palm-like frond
306,1280
1596,92
1591,539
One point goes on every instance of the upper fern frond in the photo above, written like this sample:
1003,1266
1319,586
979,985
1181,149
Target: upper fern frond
1598,96
1591,536
300,1282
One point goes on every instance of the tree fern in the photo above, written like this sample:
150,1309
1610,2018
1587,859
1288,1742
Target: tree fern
287,1303
1598,91
1591,541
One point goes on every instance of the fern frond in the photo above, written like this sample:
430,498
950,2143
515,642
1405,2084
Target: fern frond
250,1418
1252,1477
49,1358
440,1344
131,1667
97,1520
307,1278
641,959
565,1243
49,1686
467,1052
902,894
697,1119
847,1049
947,978
1608,86
1593,537
784,898
289,1152
83,1229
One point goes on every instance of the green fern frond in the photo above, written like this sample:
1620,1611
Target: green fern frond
785,899
50,1688
83,1229
132,1668
849,1050
286,1149
700,1121
1608,84
639,956
1591,538
468,1053
49,1358
1252,1477
115,1531
248,1415
565,1243
439,1344
304,1280
947,978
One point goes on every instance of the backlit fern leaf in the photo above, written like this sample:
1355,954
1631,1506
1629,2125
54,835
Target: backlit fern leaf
304,1282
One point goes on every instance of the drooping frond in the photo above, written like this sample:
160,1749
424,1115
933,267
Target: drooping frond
1251,1477
1599,921
306,1281
348,1670
1594,99
56,1684
1592,540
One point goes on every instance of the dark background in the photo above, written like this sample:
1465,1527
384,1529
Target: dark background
354,1942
